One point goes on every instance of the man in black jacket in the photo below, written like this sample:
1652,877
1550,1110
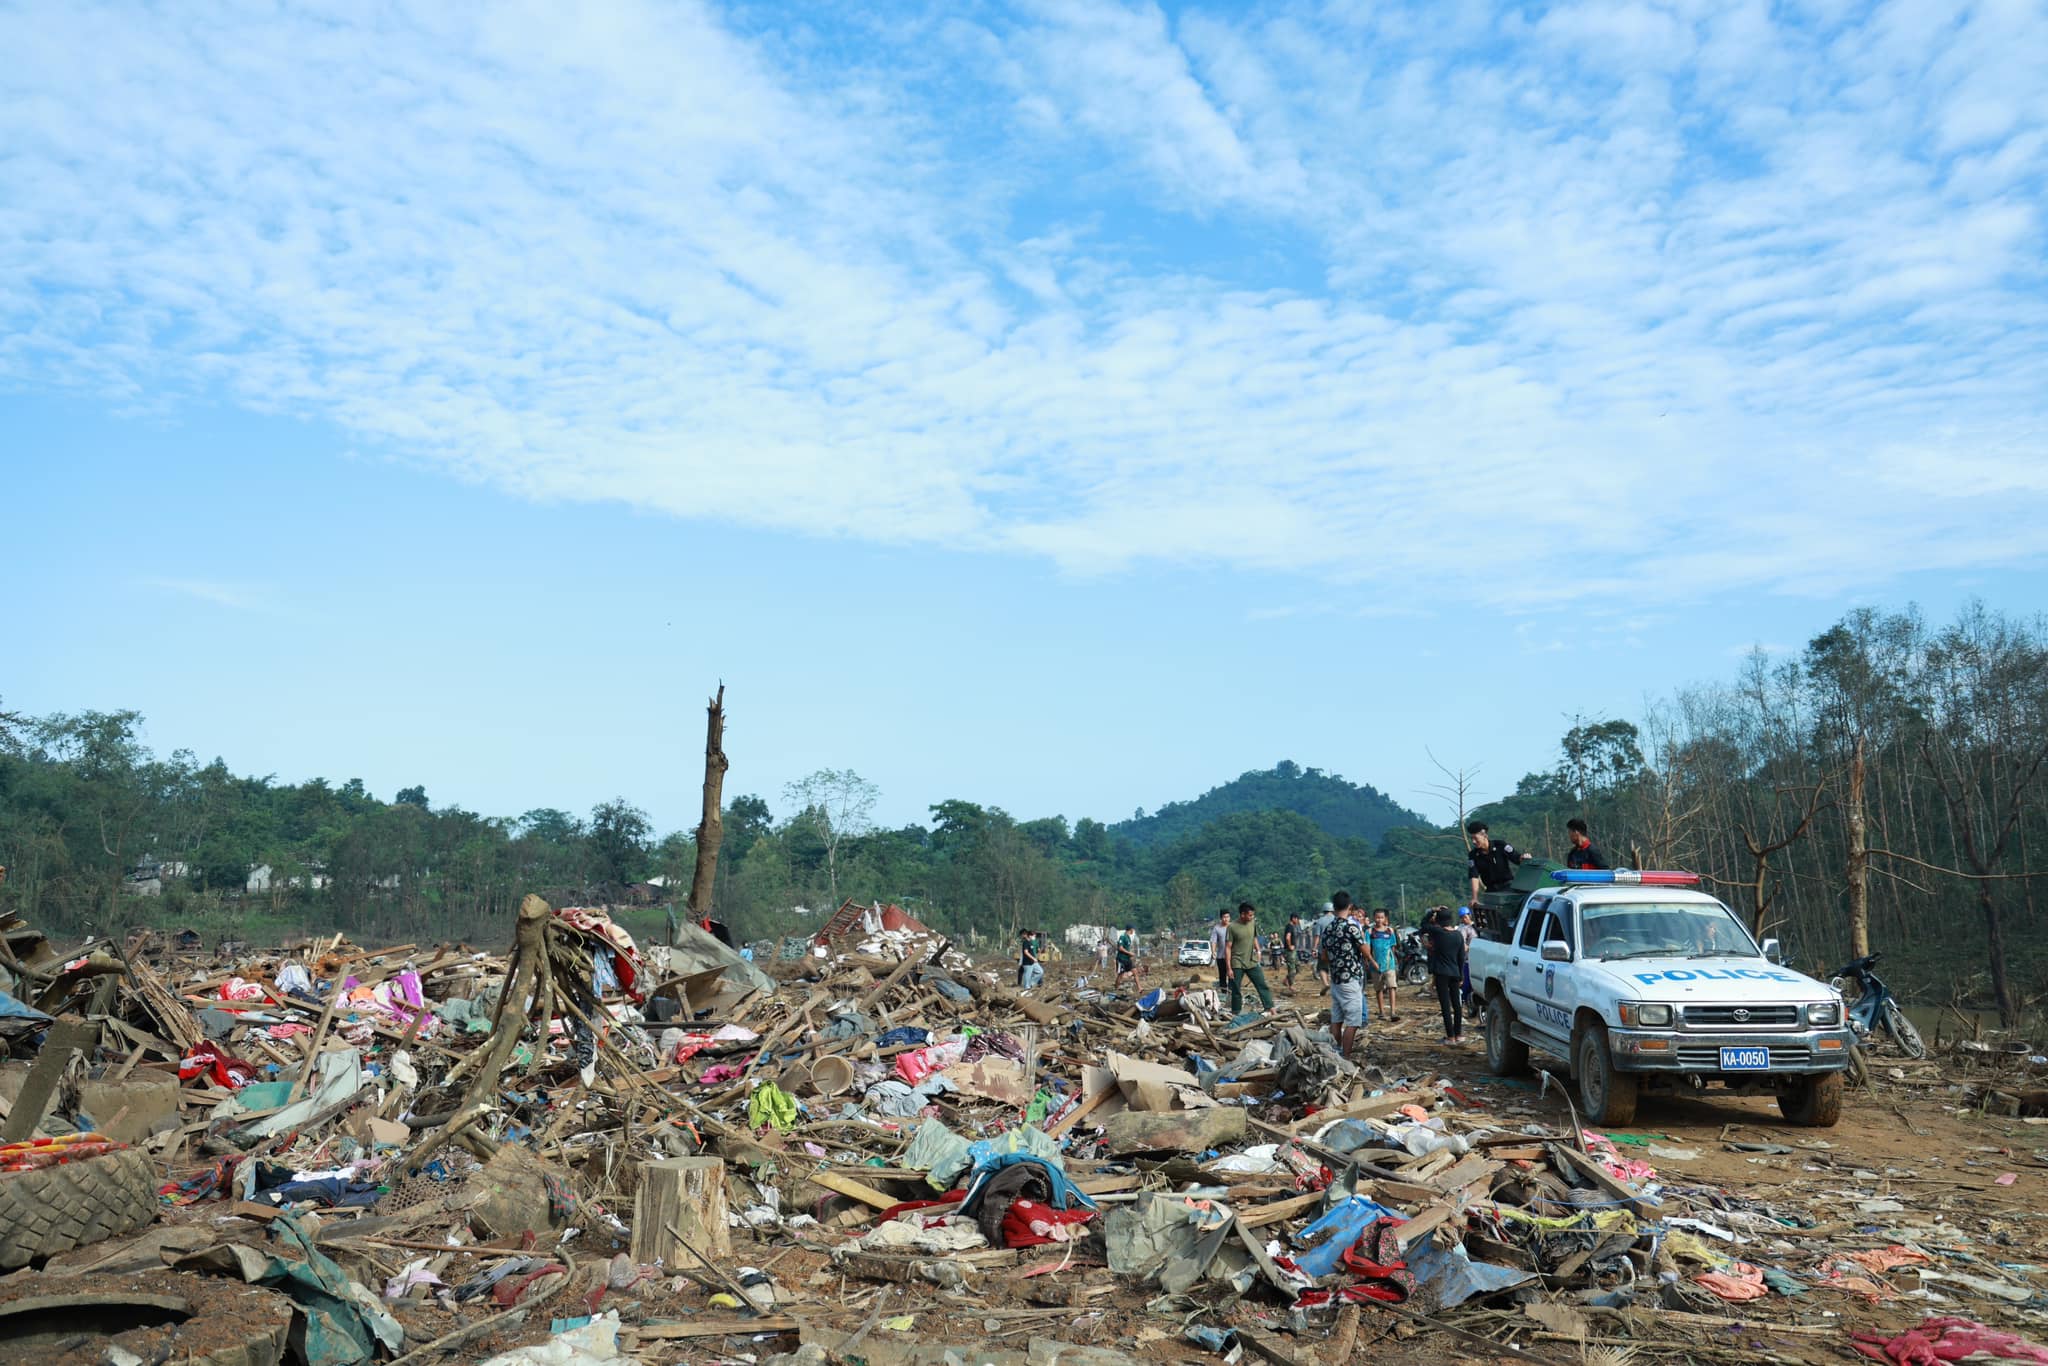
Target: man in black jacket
1490,864
1447,968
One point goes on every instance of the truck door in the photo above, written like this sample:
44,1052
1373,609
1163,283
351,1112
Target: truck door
1541,992
1532,984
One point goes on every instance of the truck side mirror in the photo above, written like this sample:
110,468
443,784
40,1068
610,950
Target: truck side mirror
1556,951
1774,951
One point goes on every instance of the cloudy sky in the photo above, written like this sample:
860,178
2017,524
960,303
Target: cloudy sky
1063,405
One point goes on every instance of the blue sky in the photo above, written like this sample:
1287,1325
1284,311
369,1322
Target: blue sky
1064,406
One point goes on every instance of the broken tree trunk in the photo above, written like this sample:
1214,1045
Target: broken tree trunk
529,956
679,1212
711,828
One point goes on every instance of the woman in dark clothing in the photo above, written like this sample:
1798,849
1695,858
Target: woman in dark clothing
1447,967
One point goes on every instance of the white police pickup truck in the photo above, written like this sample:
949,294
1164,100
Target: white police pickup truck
1638,980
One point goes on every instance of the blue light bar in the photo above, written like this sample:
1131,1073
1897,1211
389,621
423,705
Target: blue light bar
1624,877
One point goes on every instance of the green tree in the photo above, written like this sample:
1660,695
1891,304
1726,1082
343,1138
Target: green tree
618,837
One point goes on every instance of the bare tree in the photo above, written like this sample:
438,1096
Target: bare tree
1455,789
1771,839
836,803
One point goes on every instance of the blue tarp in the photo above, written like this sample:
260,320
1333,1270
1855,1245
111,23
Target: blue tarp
1329,1237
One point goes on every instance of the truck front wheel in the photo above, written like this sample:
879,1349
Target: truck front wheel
1605,1095
1815,1102
1506,1055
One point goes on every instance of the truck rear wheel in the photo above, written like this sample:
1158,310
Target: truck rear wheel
1815,1102
1605,1095
1506,1055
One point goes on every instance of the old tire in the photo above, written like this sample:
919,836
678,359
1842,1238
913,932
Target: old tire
1605,1095
1506,1055
1814,1102
55,1209
1904,1032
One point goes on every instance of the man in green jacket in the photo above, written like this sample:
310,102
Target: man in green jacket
1241,960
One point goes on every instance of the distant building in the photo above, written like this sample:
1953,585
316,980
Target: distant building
262,878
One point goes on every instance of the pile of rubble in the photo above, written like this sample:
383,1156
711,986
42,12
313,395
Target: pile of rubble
872,1151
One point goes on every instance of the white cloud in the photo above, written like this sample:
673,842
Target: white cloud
1718,297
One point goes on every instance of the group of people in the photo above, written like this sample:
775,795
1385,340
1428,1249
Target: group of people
1349,951
1349,954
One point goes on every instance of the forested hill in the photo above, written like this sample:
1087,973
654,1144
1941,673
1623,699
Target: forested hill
1343,809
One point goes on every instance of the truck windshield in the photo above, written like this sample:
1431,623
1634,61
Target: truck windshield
1637,930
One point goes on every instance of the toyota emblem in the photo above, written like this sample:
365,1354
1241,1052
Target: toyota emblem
1741,1012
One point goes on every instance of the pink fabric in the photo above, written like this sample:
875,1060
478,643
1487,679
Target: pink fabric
1739,1283
1938,1341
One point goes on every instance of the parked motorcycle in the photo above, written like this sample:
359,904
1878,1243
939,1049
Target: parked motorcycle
1411,959
1875,1006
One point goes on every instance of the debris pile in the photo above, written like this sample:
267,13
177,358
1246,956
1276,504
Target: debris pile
872,1149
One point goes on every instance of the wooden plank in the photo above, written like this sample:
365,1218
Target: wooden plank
1371,1108
1079,1112
1272,1212
847,1186
1416,1229
1602,1178
1468,1172
66,1038
717,1328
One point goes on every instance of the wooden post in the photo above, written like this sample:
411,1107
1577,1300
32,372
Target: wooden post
688,1193
711,827
66,1039
1859,860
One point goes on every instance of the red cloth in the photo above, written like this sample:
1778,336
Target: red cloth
1938,1341
949,1198
206,1059
1029,1224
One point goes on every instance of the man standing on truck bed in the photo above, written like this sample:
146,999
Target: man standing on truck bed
1447,956
1490,865
1582,854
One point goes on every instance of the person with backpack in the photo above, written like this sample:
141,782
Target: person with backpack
1290,943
